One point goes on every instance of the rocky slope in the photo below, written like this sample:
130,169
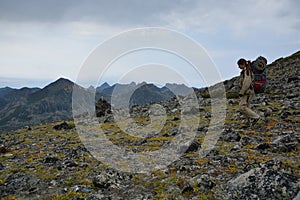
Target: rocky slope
260,162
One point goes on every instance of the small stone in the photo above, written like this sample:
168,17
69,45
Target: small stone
3,149
82,189
1,166
53,182
236,147
263,146
187,189
50,160
61,126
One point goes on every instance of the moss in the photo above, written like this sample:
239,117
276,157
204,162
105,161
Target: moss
162,195
46,173
231,168
250,146
2,181
71,125
10,197
205,93
36,157
192,154
232,95
290,164
141,179
269,90
270,125
259,158
294,153
202,161
225,147
207,196
3,158
69,195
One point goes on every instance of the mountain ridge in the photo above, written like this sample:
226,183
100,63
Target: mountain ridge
29,106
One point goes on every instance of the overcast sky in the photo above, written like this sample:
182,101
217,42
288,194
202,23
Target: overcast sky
43,40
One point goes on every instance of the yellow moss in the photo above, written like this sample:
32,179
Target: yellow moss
295,153
46,176
192,154
270,125
2,181
161,139
257,157
159,173
36,156
252,132
161,196
70,194
225,147
291,163
172,171
250,146
210,195
231,168
180,182
10,197
202,161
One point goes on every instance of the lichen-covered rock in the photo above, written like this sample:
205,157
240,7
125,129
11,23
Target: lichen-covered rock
266,182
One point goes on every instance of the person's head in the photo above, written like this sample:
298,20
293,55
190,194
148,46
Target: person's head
242,63
263,59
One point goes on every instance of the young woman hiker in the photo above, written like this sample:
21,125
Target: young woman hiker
246,93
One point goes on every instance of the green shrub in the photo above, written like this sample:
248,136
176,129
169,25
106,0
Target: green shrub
71,125
232,95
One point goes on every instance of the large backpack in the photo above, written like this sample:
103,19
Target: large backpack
260,76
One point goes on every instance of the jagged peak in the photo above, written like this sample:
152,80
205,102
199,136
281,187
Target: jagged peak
63,80
104,84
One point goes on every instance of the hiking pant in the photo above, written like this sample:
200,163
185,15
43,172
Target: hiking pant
245,107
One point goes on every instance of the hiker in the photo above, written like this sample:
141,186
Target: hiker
246,93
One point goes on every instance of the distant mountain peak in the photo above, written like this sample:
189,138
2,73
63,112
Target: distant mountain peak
60,83
63,80
105,84
91,88
102,87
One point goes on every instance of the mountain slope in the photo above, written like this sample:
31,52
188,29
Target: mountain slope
29,106
102,87
258,162
149,93
52,103
142,93
8,95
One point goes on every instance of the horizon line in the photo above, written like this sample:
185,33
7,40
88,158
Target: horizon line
19,83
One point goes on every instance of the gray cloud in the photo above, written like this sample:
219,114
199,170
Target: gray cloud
238,16
110,12
181,14
16,10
